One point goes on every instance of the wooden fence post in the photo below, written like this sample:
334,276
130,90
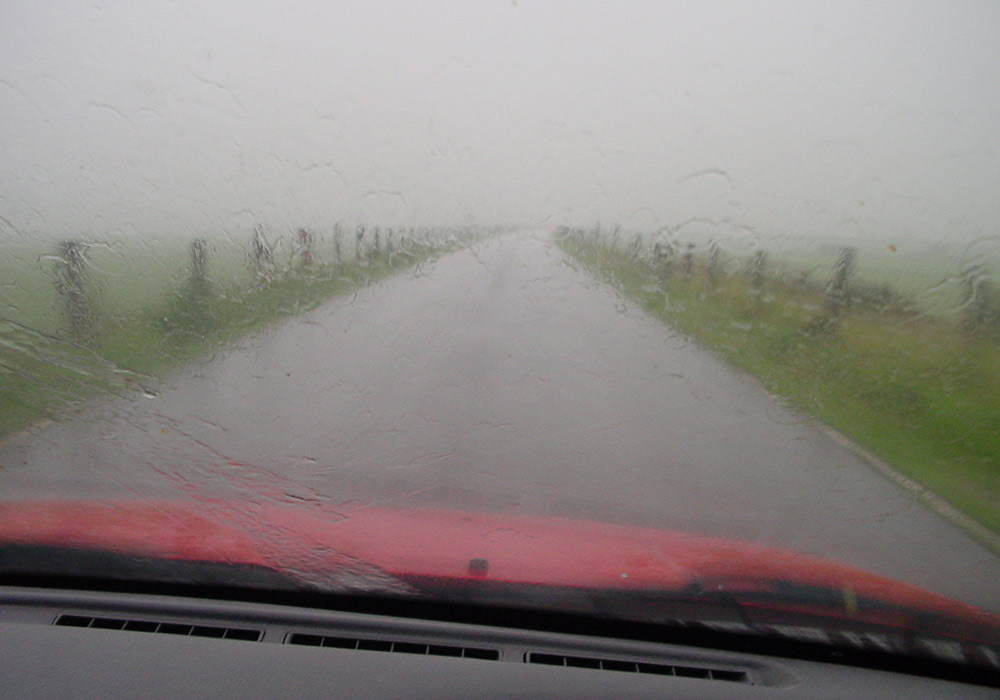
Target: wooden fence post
305,249
199,260
712,270
758,270
70,284
687,262
262,257
980,301
837,292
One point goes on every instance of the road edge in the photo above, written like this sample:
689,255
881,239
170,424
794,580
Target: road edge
25,432
985,536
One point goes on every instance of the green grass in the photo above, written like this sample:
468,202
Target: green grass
911,388
45,375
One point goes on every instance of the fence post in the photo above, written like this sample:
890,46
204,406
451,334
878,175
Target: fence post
199,260
758,270
337,253
262,257
687,262
713,263
359,236
305,248
376,248
663,255
192,312
980,301
70,284
837,297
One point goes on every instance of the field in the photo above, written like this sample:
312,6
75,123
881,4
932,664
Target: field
917,389
147,309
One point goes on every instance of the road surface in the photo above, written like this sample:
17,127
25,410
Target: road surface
501,378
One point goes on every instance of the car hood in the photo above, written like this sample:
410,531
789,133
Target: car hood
437,550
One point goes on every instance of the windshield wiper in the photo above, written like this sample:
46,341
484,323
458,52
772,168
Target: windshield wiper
51,566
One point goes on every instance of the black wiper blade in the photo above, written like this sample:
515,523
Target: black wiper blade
32,564
42,563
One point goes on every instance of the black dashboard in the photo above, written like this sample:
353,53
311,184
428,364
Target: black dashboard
61,643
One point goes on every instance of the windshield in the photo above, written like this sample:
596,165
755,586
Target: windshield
592,308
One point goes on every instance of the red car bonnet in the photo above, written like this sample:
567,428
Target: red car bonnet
448,545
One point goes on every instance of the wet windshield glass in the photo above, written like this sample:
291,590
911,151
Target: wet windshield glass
613,296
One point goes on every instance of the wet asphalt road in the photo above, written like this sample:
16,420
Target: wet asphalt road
501,378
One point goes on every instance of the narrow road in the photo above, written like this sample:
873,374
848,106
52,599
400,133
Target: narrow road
501,378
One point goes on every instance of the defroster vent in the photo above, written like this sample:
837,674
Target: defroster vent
717,674
155,627
399,647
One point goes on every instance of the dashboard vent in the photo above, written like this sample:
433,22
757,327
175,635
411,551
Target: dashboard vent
315,640
109,623
716,674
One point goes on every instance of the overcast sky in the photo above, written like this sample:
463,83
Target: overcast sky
750,119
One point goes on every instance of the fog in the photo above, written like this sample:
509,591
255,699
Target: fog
771,120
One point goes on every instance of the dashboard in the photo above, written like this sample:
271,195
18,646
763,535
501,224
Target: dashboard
61,643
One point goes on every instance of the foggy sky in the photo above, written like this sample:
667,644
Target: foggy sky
745,119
